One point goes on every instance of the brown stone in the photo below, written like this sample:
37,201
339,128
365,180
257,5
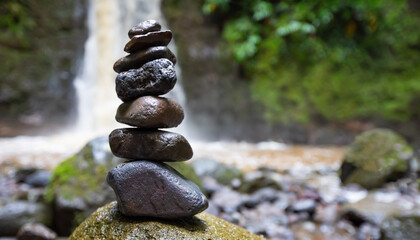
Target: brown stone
144,27
154,189
154,145
150,112
136,60
151,39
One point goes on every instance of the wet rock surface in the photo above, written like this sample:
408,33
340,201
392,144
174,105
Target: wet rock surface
33,231
135,143
156,77
150,189
137,59
144,27
107,221
151,39
150,112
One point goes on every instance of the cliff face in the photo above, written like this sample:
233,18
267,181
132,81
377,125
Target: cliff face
40,45
218,99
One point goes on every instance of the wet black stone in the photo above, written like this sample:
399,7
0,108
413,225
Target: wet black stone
156,77
154,189
150,112
151,39
39,178
144,27
136,60
155,145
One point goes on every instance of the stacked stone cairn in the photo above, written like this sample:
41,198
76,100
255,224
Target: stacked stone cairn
144,185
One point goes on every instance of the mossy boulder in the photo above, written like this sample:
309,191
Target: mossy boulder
108,223
78,184
375,157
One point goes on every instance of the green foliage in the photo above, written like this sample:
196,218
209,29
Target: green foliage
330,59
14,18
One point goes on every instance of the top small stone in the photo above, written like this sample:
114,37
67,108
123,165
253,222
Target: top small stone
144,27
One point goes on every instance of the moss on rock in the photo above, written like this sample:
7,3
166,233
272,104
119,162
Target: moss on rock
108,223
376,156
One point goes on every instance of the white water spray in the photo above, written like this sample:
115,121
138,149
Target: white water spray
108,24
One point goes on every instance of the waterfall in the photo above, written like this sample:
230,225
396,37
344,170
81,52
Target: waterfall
108,24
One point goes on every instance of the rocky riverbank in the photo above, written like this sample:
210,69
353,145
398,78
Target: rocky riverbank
299,203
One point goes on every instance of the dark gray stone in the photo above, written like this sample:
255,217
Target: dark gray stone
15,214
136,60
150,112
39,178
154,189
151,39
260,196
154,145
156,77
22,173
34,231
144,27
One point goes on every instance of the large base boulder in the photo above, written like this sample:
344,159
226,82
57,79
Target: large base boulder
375,157
108,223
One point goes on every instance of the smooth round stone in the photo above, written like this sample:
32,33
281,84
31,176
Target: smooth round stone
156,77
150,112
136,60
154,189
156,145
151,39
144,27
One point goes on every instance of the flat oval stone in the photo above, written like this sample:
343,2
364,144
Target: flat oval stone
151,39
144,27
155,145
154,189
150,112
136,60
156,77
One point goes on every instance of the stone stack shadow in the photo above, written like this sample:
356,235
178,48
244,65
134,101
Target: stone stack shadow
144,184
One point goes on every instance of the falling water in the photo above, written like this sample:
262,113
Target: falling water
108,23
